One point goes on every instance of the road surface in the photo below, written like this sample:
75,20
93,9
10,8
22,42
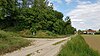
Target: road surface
40,47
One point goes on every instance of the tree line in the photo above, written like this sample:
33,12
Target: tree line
39,16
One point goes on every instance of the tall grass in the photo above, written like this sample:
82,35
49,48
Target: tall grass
41,34
10,41
77,47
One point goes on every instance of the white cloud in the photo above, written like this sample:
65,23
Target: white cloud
86,16
68,1
98,0
58,1
77,20
83,2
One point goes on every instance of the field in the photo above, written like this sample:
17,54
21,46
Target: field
93,41
77,47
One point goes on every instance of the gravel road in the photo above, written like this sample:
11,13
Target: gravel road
40,47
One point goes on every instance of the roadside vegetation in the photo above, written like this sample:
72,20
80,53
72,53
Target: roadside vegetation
59,42
42,34
10,41
77,47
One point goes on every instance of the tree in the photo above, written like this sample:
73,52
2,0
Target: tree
38,17
8,12
68,20
58,27
58,15
99,30
24,4
0,9
9,8
68,27
79,31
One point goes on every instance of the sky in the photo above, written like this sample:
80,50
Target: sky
84,14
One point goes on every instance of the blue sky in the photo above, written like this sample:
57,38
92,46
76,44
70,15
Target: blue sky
63,6
85,14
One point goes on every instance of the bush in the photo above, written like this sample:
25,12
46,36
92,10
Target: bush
77,47
41,33
45,33
25,32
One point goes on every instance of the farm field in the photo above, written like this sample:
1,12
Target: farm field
93,41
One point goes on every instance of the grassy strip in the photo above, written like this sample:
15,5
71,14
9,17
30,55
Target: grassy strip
42,34
10,41
59,42
77,47
31,36
29,54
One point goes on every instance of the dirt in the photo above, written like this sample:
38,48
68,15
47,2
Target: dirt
40,47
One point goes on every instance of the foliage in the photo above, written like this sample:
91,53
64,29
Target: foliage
42,33
25,32
77,47
68,27
38,17
98,32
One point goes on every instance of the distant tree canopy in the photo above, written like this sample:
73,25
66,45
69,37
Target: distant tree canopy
38,17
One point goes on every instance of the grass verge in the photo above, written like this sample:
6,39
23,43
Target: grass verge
77,47
10,41
59,42
48,37
42,34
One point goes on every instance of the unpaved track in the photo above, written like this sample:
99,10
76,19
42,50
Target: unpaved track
41,47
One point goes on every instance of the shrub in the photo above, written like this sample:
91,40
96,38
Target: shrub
25,32
41,33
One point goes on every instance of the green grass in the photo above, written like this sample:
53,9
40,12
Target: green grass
10,41
59,42
29,54
77,47
41,34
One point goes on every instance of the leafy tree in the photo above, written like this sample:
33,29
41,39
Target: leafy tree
68,27
58,15
58,27
0,9
8,12
9,8
39,17
24,4
99,30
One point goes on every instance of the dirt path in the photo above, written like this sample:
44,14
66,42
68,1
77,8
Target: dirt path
41,47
